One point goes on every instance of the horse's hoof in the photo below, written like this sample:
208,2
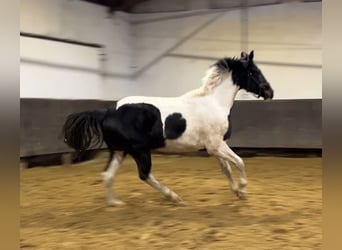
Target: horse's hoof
242,195
116,203
174,197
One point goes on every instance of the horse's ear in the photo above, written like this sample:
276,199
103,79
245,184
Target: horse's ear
244,55
251,55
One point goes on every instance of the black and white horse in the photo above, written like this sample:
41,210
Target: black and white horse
191,122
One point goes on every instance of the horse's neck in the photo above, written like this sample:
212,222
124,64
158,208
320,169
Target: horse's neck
225,93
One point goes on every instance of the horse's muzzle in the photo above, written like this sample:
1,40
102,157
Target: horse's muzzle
268,94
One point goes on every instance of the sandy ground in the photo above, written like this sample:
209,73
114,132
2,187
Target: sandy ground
64,207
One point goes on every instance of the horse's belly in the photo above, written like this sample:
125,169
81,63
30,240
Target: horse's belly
181,145
178,149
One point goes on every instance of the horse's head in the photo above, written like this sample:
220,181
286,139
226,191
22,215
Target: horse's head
249,77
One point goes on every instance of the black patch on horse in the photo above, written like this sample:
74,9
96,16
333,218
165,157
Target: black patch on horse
175,125
228,134
133,127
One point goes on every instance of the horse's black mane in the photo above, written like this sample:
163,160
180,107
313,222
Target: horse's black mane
234,65
227,63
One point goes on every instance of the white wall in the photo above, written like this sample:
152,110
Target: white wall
80,21
151,54
58,70
286,33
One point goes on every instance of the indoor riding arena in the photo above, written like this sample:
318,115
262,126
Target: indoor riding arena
86,55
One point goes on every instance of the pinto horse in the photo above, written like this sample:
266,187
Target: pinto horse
196,120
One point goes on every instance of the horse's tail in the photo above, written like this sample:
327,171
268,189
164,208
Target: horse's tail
84,129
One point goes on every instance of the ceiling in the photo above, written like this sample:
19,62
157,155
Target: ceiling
152,6
117,5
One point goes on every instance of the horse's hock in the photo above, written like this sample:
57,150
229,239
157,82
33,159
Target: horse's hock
283,209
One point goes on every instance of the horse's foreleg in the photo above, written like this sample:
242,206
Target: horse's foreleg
226,169
114,163
223,151
143,160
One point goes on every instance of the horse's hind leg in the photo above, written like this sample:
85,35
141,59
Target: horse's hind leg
226,169
224,152
143,160
168,193
108,174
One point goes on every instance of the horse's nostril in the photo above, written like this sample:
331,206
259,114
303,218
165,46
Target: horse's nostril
268,94
271,93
